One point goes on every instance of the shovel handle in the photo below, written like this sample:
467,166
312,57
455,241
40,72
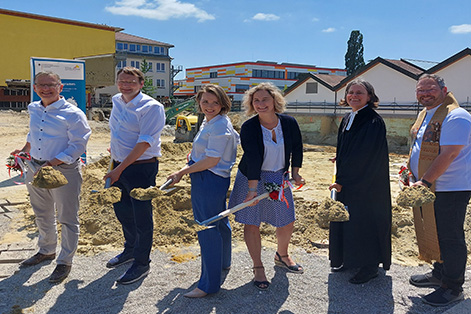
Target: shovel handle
166,184
232,210
333,194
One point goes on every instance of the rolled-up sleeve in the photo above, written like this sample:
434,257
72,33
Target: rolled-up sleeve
151,124
78,132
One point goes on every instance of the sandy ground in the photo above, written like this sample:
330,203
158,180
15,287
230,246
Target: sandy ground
176,262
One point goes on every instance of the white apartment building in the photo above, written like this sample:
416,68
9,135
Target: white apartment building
131,51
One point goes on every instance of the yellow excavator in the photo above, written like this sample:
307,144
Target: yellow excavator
186,127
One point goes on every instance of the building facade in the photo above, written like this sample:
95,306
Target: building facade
236,78
31,35
134,51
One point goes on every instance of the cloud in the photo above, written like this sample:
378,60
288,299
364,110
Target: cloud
161,10
460,29
315,19
265,17
329,30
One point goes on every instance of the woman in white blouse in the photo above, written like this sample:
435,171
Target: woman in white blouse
271,142
212,157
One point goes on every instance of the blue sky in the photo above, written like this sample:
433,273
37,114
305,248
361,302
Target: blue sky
313,32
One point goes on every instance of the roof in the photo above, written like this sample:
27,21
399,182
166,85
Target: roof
120,36
402,66
268,63
328,80
463,53
60,20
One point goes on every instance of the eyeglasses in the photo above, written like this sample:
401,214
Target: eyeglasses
425,91
133,82
46,85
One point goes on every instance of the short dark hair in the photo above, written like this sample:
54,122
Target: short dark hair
374,100
133,71
48,73
440,81
217,91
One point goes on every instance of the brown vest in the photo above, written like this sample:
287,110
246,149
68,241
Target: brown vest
424,216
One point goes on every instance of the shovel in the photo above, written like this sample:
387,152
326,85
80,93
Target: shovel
108,180
234,209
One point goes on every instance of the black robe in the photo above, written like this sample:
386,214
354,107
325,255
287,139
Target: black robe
363,172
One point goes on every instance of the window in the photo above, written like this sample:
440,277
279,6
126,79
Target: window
160,83
138,47
125,46
145,49
132,47
196,88
119,46
239,88
213,74
268,74
293,75
160,67
150,66
135,64
311,88
157,50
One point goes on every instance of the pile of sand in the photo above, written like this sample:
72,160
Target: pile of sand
49,178
415,196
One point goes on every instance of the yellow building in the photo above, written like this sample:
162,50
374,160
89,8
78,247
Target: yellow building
27,35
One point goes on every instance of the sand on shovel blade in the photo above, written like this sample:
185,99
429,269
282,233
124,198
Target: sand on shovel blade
331,210
49,178
415,196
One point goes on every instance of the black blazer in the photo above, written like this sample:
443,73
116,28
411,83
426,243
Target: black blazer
252,143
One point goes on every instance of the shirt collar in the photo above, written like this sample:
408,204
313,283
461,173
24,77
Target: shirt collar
135,101
56,104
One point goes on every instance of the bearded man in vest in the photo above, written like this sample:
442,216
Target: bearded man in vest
441,160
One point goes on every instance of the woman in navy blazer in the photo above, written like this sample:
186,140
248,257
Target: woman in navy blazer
271,142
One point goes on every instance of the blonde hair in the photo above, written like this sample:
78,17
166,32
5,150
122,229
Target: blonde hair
275,93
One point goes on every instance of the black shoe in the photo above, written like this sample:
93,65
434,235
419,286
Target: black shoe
60,273
364,275
37,258
425,280
443,297
119,260
133,274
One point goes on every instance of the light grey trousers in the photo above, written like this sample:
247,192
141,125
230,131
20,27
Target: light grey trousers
64,200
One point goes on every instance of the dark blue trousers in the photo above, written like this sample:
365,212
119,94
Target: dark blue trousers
208,198
136,216
450,212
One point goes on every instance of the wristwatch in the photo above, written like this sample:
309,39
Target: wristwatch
428,184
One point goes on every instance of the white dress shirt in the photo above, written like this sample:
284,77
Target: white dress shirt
140,120
59,130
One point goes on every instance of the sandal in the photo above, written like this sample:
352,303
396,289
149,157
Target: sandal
261,285
292,268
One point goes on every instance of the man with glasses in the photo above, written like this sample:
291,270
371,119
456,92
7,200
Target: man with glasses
136,122
441,160
58,136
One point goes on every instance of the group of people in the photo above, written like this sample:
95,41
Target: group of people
272,154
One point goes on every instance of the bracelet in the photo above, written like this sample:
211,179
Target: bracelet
252,189
428,184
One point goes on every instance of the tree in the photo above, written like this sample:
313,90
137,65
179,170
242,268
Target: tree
354,56
148,87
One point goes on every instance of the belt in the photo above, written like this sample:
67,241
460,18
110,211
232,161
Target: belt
39,162
138,162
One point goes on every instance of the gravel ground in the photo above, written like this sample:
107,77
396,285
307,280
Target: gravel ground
91,288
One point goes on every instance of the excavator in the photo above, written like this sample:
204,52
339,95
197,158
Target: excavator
187,121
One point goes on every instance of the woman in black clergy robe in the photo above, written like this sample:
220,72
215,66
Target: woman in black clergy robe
362,182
